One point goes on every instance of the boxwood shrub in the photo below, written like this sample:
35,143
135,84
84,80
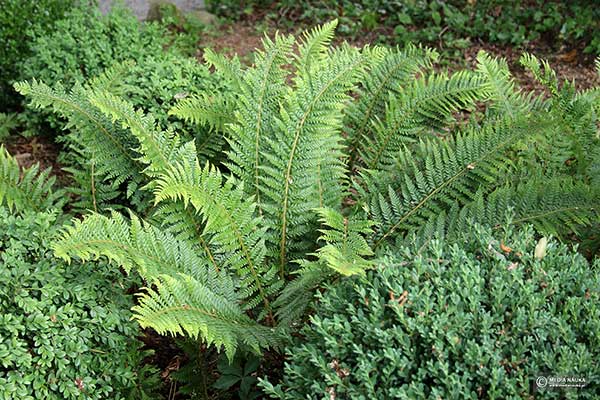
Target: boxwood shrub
65,330
479,319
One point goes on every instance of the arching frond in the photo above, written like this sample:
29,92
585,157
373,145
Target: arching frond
229,223
182,305
426,103
450,171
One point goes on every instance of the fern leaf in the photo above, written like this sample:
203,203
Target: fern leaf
183,305
260,92
306,142
27,189
229,223
426,103
450,172
93,130
506,99
158,148
386,76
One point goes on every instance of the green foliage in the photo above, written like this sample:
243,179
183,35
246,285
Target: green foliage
83,45
100,156
316,180
522,144
27,189
452,24
8,123
468,320
65,331
20,23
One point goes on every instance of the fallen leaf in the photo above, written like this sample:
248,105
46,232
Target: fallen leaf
540,248
505,248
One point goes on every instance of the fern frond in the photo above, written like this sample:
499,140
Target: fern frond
139,246
554,206
345,244
384,77
450,171
111,78
505,97
28,188
158,148
427,103
229,223
314,45
260,93
112,147
183,305
306,143
230,68
214,110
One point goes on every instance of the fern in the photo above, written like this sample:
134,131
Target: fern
450,171
182,305
194,298
345,251
427,103
230,223
386,76
101,154
554,206
28,188
506,98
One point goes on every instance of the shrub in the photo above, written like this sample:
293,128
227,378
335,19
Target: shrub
477,319
65,330
20,23
83,45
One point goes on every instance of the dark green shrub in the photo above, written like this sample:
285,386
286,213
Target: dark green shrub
84,44
479,319
65,331
20,22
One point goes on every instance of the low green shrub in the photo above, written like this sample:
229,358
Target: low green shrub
65,331
478,319
83,45
20,23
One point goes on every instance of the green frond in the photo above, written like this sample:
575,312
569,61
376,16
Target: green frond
111,147
182,305
504,95
427,103
345,244
158,148
384,77
541,71
314,45
298,294
307,143
261,90
450,171
139,246
27,188
230,68
214,110
111,78
230,225
554,206
344,252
